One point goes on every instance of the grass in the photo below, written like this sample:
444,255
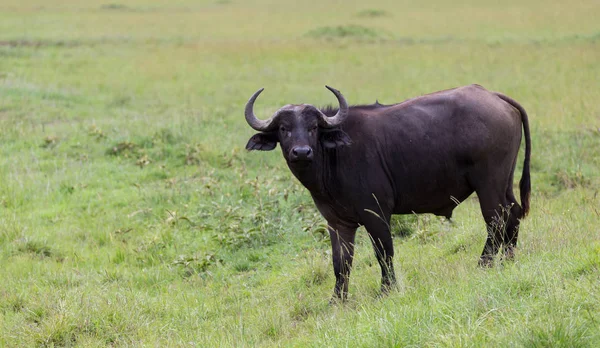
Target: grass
131,215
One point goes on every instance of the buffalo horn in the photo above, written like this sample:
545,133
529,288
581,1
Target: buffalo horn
340,116
259,125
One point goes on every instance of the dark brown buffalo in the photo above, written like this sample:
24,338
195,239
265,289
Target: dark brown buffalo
361,164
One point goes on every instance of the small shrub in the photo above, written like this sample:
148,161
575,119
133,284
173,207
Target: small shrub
196,264
96,132
143,161
67,189
457,248
111,276
587,265
50,142
571,179
124,149
273,326
120,101
317,227
12,302
372,13
115,7
557,335
242,266
403,225
316,276
239,236
36,248
36,314
193,154
425,231
343,31
301,311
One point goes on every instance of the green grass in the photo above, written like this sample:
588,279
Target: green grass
131,215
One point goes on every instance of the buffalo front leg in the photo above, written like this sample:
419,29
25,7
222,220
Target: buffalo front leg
381,237
342,248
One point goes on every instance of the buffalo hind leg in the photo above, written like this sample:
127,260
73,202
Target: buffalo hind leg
342,247
381,237
512,227
495,211
493,241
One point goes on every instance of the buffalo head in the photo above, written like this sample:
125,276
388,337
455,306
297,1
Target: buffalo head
303,131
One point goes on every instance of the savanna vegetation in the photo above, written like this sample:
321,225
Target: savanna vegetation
130,213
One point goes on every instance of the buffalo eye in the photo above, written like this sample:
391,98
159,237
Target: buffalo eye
312,130
284,130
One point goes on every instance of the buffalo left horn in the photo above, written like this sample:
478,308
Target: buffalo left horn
259,125
340,116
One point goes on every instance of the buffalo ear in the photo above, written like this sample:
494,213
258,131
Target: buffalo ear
334,138
262,142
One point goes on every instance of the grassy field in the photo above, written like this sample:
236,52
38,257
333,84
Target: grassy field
130,213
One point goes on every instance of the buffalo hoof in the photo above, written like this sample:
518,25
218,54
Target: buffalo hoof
486,261
336,300
509,253
387,288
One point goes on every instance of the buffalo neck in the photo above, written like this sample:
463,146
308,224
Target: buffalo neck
319,176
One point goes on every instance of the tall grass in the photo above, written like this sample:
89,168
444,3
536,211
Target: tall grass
131,215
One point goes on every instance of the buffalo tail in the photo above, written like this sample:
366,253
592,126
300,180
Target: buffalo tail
525,183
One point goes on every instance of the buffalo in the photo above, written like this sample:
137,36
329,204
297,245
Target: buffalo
363,163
